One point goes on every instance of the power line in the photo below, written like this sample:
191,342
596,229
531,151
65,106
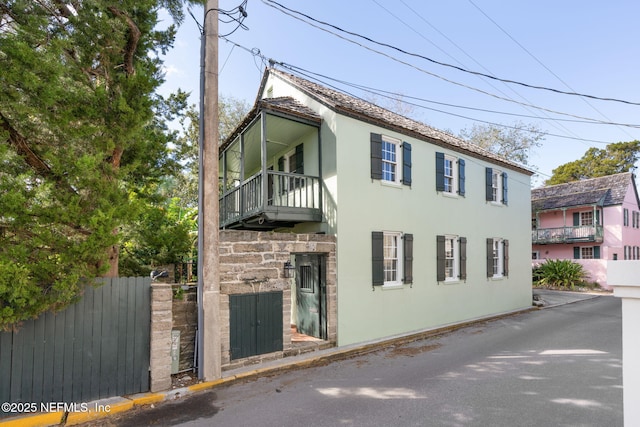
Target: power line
308,74
541,63
558,126
240,11
395,95
318,78
408,64
444,64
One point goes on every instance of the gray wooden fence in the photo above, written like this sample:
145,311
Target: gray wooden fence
94,349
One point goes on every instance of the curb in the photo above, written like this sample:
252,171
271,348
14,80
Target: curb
573,301
115,405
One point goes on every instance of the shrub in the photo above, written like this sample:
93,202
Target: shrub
562,273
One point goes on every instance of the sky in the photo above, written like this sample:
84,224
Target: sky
430,54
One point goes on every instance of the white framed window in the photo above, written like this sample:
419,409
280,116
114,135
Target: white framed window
586,218
390,167
496,186
392,265
392,258
390,160
587,252
450,174
452,258
593,252
497,257
535,255
625,217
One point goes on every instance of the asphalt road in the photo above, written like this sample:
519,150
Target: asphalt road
555,367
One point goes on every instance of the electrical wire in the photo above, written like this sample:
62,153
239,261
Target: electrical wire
321,79
535,58
283,8
428,72
557,125
240,10
309,75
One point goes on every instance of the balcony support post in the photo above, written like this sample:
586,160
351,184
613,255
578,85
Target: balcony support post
263,150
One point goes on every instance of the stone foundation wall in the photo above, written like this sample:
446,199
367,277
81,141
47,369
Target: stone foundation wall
252,262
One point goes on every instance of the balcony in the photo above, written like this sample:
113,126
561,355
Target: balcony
578,234
282,200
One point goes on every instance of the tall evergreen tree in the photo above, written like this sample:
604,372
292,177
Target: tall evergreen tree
82,135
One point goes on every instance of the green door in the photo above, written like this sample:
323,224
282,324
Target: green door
255,324
310,295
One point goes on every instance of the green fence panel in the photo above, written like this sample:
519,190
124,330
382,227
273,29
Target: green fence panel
97,348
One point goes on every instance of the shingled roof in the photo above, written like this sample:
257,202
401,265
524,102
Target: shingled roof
604,191
371,113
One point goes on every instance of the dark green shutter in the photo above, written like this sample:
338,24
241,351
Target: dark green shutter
408,258
377,258
281,164
576,219
299,159
490,271
598,217
461,177
505,257
439,171
463,258
440,259
376,156
596,252
488,184
576,252
505,189
406,163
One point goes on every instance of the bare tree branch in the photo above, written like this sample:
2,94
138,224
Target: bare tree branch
22,147
132,43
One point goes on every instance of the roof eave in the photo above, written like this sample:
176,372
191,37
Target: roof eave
400,129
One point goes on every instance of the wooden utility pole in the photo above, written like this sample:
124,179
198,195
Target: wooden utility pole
209,351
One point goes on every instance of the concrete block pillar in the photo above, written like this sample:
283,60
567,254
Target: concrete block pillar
161,323
624,277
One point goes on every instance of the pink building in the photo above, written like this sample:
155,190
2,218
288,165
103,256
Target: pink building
594,222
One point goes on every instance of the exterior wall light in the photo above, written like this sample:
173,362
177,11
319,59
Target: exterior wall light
288,270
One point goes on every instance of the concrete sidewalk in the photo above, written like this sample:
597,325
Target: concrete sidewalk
552,298
116,405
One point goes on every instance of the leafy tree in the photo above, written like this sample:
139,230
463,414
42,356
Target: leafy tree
184,186
614,158
82,136
514,142
167,231
164,234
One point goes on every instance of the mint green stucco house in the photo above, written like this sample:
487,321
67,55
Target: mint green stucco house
431,230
